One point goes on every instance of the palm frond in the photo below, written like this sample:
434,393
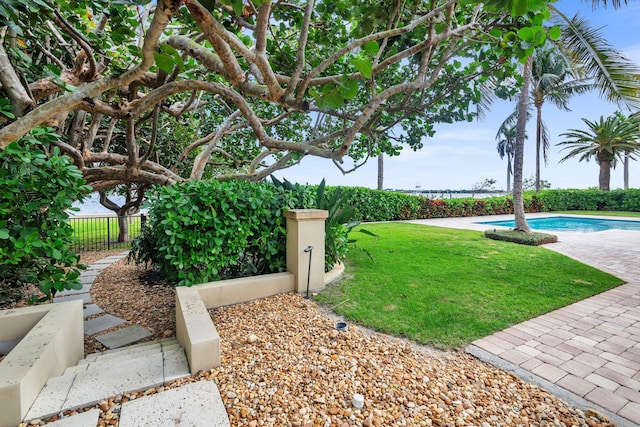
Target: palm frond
611,138
511,120
615,3
546,142
614,75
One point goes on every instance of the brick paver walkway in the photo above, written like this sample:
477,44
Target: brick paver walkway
588,351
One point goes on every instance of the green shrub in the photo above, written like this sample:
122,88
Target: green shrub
631,201
337,225
36,191
590,200
515,236
204,231
377,205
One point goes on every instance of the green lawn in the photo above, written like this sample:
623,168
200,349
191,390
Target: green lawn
448,287
97,231
601,213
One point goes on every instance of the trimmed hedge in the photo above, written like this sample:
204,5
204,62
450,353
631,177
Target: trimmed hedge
590,200
376,205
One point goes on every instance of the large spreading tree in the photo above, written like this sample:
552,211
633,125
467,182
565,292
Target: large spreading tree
160,92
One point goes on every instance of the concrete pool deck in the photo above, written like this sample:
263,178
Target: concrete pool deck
587,353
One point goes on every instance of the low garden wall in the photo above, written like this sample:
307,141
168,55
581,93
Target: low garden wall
50,339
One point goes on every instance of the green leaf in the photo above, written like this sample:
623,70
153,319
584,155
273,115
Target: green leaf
518,7
555,32
56,254
164,61
364,65
4,233
238,7
371,48
334,99
350,89
53,69
526,34
510,36
540,37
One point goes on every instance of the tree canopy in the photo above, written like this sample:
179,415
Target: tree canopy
161,92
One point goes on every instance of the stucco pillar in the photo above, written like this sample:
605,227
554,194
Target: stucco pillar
305,228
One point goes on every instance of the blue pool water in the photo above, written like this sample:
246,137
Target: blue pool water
568,223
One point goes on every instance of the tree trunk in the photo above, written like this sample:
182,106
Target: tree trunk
538,144
518,160
626,170
509,172
605,174
123,228
380,171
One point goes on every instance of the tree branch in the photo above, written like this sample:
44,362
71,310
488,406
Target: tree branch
47,113
11,84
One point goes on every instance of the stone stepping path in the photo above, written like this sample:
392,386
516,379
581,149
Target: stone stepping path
127,368
103,375
196,404
95,324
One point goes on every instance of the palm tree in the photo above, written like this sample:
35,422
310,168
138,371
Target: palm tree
606,140
553,79
614,75
506,138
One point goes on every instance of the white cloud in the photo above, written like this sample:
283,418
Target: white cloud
474,134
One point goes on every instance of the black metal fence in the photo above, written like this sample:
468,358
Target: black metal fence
103,233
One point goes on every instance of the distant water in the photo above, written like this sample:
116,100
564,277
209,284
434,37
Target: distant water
91,205
442,195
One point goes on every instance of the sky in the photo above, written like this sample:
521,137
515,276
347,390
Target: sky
461,155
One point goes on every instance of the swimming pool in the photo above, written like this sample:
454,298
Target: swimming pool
569,223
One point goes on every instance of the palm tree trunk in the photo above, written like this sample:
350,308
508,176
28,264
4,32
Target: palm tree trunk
380,170
626,170
508,173
518,160
605,175
538,144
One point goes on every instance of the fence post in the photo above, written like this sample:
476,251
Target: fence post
108,233
305,228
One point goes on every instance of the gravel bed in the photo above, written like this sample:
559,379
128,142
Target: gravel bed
283,364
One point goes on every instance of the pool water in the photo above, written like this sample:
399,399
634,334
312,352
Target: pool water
568,223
